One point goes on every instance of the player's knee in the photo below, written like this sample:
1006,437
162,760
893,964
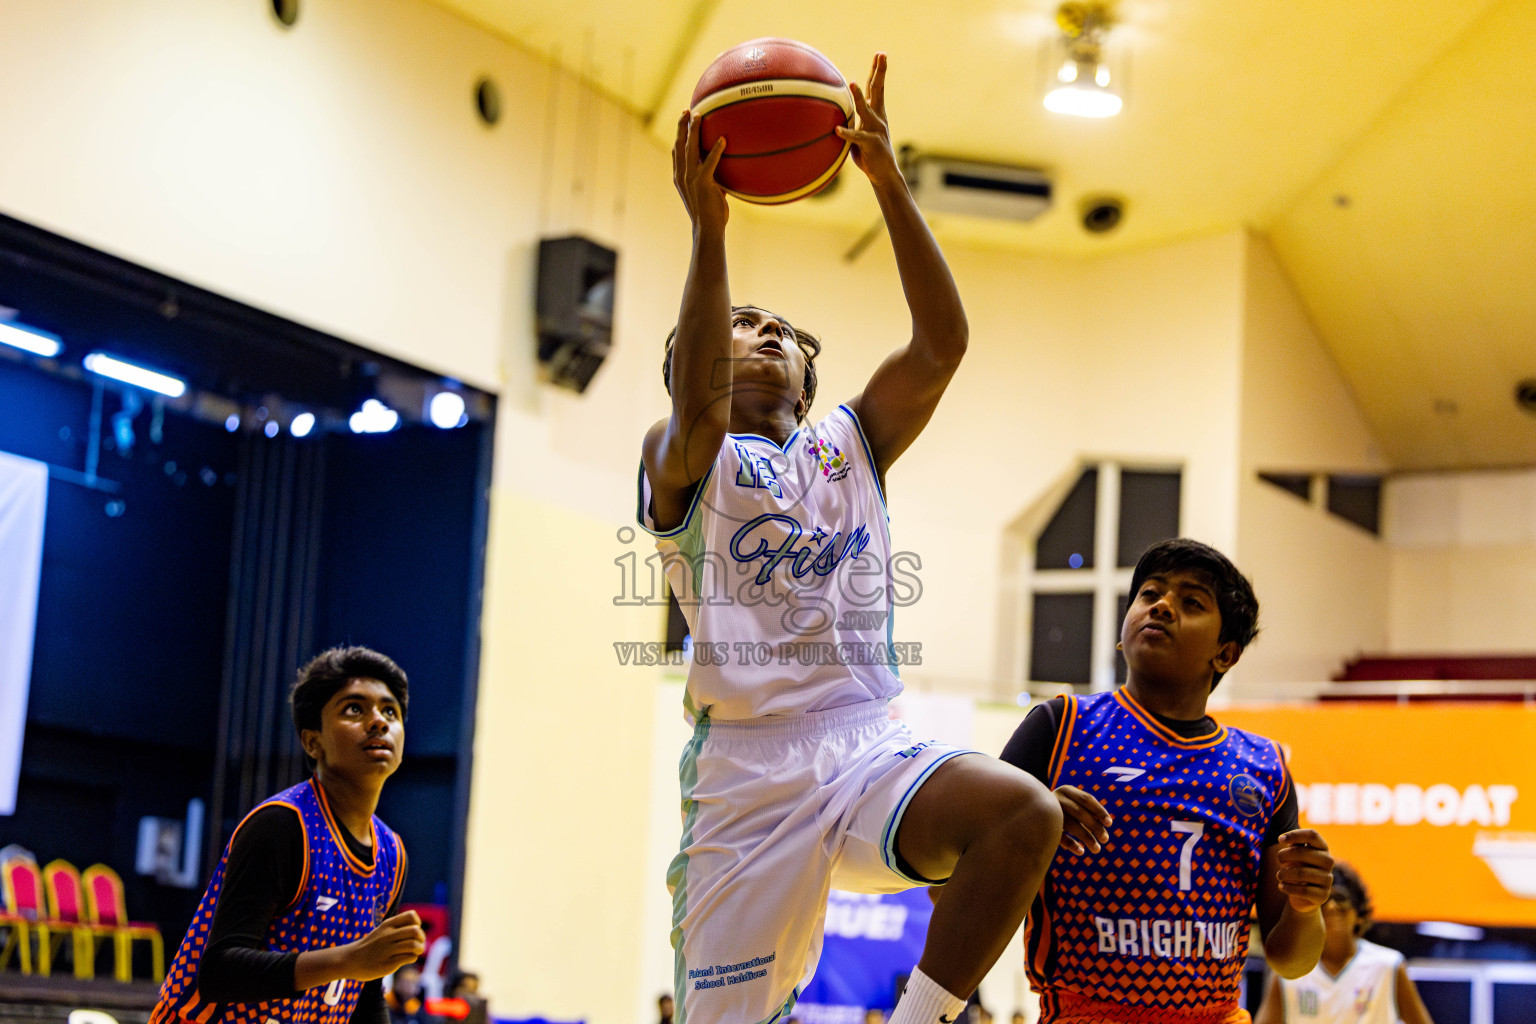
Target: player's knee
1033,818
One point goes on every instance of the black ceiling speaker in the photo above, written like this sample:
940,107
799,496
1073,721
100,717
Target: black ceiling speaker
1525,395
575,309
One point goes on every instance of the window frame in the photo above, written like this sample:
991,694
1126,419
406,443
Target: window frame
1105,580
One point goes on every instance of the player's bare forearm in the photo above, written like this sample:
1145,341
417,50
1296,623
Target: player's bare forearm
701,364
1295,879
903,392
316,967
939,328
683,451
1295,943
396,941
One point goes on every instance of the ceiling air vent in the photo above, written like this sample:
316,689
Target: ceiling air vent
975,189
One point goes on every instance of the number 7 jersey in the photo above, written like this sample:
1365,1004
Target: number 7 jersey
1154,927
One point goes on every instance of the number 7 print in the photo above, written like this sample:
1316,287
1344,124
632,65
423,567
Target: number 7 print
1195,829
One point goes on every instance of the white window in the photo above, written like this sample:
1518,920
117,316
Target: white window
1077,577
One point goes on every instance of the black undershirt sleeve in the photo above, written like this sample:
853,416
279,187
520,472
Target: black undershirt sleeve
1286,817
1029,749
371,1008
261,880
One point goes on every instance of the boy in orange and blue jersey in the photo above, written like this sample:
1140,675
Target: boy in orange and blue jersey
295,926
1175,825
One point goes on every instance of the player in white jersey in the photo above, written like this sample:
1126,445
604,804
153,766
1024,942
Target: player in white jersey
1355,981
796,778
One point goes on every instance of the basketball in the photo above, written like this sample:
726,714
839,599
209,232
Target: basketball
777,103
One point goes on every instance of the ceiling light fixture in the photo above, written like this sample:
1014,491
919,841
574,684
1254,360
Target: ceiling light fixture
1081,84
132,373
30,339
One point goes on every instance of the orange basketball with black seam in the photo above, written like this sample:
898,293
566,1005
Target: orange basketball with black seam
778,104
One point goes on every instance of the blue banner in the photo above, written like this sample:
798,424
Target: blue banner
870,942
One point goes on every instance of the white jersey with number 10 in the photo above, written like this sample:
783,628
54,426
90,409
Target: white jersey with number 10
1364,992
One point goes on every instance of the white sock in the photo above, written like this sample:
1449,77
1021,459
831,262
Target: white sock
926,1002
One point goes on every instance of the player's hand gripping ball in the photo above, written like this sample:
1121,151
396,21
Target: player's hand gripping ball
778,104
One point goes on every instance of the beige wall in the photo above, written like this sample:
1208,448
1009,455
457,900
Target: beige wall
1322,583
336,174
559,831
1463,562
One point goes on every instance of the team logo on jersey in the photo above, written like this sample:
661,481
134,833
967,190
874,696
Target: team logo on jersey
1123,774
834,464
756,470
325,903
1247,795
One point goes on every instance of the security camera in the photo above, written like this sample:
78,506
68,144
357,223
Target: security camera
1101,213
1525,395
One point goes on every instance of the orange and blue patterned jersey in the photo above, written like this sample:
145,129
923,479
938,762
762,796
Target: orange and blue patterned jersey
1154,927
339,900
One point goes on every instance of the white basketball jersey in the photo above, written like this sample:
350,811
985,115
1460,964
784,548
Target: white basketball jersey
782,567
1365,991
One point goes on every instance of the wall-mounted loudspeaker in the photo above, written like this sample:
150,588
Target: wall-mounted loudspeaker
575,309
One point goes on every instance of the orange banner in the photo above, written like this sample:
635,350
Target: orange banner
1434,804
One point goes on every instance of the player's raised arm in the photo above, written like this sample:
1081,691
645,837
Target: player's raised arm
679,450
900,397
1295,880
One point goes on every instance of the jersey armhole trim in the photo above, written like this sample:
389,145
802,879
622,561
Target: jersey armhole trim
1063,737
303,833
693,504
399,847
1285,777
874,468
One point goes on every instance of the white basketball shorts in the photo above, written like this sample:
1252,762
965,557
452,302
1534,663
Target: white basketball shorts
777,811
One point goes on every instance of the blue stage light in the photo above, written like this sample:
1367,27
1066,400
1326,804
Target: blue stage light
30,339
132,373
